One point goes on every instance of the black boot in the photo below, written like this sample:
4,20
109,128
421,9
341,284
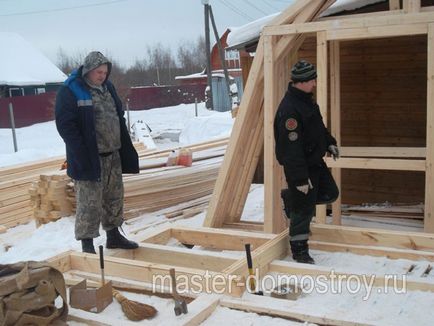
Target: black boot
87,246
117,240
300,252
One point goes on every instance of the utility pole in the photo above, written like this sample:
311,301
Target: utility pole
207,46
221,55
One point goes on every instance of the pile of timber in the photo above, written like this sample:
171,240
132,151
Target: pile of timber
17,205
49,198
154,188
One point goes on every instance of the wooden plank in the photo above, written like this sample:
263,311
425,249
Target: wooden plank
291,268
61,262
429,174
284,46
276,248
377,164
222,239
248,118
244,225
391,253
322,98
272,210
361,22
176,256
335,120
161,235
242,188
262,306
404,152
199,310
373,237
194,280
376,32
394,5
411,6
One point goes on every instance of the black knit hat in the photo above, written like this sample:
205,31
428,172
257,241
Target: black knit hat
303,71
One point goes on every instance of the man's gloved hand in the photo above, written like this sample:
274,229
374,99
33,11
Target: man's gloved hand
305,188
334,150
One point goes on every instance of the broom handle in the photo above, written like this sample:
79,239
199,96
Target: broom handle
101,263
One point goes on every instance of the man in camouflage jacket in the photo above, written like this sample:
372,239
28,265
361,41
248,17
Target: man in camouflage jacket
90,119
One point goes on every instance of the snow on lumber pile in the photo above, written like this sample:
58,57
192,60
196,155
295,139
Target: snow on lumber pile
15,202
15,207
155,188
49,198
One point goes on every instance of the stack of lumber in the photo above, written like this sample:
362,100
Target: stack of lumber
49,198
155,188
15,205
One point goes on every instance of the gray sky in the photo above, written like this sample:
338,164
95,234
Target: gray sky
122,28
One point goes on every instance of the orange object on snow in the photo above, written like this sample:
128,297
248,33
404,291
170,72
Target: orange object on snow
185,157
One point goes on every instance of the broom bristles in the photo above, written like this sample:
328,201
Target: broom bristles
134,310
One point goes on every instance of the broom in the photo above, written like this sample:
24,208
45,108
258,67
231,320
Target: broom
134,310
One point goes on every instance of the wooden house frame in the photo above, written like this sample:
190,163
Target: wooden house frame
135,270
277,50
252,133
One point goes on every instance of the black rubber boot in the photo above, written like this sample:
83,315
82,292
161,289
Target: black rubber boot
117,240
87,246
300,252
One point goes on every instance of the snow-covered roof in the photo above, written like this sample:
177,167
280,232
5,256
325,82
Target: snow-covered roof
21,64
250,32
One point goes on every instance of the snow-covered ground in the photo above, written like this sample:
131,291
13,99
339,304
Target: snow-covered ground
179,124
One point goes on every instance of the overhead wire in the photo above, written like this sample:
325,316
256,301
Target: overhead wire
268,3
256,7
236,10
61,9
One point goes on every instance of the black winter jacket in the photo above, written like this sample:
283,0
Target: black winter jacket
75,121
301,137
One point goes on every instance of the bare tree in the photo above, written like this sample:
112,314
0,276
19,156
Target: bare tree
157,67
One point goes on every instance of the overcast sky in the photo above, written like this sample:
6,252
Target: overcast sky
122,28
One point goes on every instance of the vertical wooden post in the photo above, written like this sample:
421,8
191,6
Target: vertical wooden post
429,172
321,94
335,119
394,5
274,221
411,6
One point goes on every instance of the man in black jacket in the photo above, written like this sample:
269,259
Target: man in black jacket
302,140
89,118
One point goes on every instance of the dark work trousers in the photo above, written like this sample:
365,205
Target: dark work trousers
300,207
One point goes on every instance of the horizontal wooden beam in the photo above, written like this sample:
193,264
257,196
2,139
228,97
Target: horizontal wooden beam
194,280
351,23
373,237
376,32
276,248
179,257
292,268
391,253
222,239
377,164
267,306
403,152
